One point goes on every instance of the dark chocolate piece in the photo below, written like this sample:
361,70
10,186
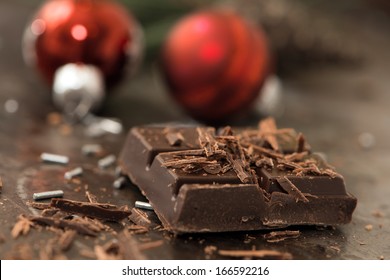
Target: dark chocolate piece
96,210
243,179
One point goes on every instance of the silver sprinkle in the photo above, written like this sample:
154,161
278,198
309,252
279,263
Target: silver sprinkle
49,194
143,205
118,183
73,173
91,149
54,158
106,161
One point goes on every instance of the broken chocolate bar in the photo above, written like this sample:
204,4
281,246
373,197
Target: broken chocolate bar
234,179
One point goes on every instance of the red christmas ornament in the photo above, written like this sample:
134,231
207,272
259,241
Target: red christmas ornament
215,63
80,46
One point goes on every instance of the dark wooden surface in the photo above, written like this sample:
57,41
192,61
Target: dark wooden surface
332,105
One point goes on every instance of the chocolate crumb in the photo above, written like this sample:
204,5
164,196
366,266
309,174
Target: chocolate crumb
377,214
210,249
257,254
368,227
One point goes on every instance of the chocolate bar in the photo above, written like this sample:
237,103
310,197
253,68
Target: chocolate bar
234,179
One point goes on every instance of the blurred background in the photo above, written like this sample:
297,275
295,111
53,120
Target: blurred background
332,60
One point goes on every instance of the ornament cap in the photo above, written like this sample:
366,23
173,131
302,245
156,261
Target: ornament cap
78,89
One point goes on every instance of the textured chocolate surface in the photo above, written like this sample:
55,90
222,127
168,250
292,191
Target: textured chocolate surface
247,179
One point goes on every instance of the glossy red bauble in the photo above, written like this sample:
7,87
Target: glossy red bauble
215,63
93,32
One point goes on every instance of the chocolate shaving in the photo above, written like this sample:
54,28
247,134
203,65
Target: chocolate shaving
137,229
108,251
66,239
330,173
267,129
225,131
21,227
183,162
291,189
151,245
226,168
129,248
50,212
51,251
38,205
207,140
140,218
287,165
91,197
307,170
96,210
264,151
264,162
196,152
259,254
298,156
301,141
277,236
64,224
238,167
